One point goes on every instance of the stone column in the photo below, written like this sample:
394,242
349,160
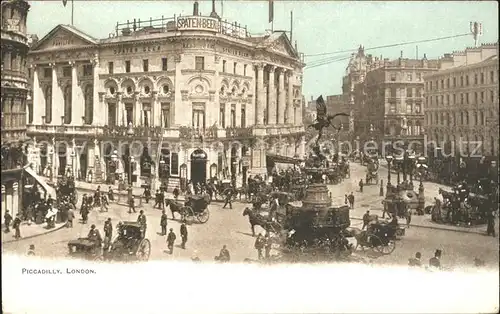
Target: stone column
103,105
272,108
289,110
98,111
282,98
258,161
38,110
4,200
155,113
239,176
260,94
137,110
178,110
9,206
76,114
55,103
15,199
97,158
229,164
75,166
120,110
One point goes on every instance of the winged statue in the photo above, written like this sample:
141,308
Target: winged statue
324,120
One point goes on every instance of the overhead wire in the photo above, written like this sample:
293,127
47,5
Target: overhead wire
389,46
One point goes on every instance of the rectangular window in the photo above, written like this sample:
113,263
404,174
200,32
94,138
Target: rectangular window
442,84
235,65
482,97
67,72
475,79
393,92
418,108
482,78
129,109
467,80
198,119
174,164
476,97
224,66
461,81
409,77
110,68
222,115
430,85
454,99
165,114
243,118
466,98
146,114
492,77
87,69
409,92
111,114
145,65
199,63
442,99
393,77
492,95
462,99
127,66
448,99
454,82
409,107
244,70
392,107
448,83
164,64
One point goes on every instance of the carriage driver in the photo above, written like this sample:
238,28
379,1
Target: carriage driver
95,236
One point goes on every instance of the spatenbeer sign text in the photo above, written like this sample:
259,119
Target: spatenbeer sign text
198,23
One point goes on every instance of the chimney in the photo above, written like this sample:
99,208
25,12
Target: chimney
195,8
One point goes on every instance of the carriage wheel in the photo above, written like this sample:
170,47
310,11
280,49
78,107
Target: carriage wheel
187,213
204,216
143,250
386,248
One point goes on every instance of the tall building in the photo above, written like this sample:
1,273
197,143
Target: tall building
461,101
200,91
13,92
387,99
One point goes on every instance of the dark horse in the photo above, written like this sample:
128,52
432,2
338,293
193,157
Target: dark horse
175,207
256,219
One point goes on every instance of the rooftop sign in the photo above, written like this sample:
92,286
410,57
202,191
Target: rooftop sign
198,23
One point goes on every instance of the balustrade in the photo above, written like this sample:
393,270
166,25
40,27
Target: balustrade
238,132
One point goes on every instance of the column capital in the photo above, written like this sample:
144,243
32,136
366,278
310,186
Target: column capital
289,73
260,66
72,63
33,66
271,68
52,65
155,95
119,95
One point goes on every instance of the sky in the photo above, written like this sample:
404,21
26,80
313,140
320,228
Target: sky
318,26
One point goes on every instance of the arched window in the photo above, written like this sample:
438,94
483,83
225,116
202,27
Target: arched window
48,104
89,104
67,104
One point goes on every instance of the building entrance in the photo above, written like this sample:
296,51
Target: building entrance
198,166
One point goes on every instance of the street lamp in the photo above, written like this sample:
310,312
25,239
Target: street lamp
389,161
411,164
130,133
398,161
73,155
421,166
114,159
51,164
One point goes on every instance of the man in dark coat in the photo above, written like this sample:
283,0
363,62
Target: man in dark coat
184,235
415,261
71,216
108,233
85,212
267,246
16,225
163,223
436,260
490,230
176,193
157,199
259,245
95,236
361,185
351,200
224,255
366,219
141,219
131,204
228,199
7,220
147,194
171,240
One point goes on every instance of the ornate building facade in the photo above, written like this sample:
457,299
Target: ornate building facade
13,92
190,97
461,100
387,96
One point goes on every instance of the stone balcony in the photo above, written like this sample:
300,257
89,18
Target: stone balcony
63,129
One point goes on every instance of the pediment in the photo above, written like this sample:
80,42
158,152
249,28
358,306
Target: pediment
62,37
283,46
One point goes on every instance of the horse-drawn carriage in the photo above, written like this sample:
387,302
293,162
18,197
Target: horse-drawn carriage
372,172
196,206
468,209
221,189
380,237
130,245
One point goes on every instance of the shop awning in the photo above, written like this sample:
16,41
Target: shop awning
283,159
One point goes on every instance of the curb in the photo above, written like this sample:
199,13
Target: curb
115,192
437,228
36,235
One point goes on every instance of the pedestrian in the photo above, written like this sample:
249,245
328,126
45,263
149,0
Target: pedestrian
436,260
415,261
7,220
31,251
408,217
228,199
171,240
71,216
157,199
111,196
104,202
85,213
141,219
351,200
184,235
16,225
267,246
361,185
224,255
108,233
366,219
346,200
95,236
163,223
176,193
490,230
147,194
131,205
259,245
